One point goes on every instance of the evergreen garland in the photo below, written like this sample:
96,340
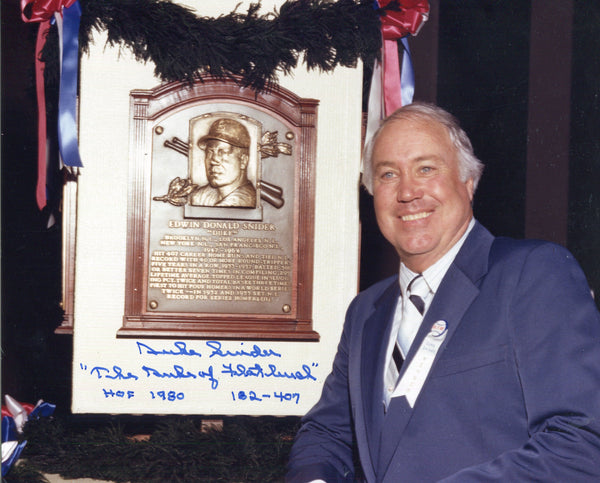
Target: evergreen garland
248,449
256,47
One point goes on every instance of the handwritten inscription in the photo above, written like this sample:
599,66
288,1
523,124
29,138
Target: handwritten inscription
253,396
218,363
271,370
181,349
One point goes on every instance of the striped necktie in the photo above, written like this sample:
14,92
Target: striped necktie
413,308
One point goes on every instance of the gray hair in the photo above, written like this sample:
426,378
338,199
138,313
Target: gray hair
468,164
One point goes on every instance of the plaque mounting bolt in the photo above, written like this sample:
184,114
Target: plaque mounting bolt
286,308
159,130
153,304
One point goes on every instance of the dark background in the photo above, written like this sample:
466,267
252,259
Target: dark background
520,75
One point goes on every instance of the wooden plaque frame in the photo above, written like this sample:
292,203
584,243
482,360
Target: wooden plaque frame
299,116
69,236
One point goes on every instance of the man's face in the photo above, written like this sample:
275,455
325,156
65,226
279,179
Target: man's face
422,206
225,164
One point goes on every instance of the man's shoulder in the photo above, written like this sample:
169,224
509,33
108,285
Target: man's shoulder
512,249
207,188
247,194
506,250
483,254
205,196
375,292
244,196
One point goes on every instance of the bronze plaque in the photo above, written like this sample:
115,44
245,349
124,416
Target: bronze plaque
221,213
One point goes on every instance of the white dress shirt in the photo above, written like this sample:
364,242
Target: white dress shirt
433,278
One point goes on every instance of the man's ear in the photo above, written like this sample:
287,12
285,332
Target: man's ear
244,160
470,184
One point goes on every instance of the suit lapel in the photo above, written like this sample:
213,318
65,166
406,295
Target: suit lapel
457,290
376,333
454,296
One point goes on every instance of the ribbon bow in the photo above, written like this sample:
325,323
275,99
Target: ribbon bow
14,417
66,13
403,18
42,10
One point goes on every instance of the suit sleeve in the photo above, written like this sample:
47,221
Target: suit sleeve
555,330
323,445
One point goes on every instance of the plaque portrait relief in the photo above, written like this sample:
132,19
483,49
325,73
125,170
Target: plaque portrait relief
226,154
220,213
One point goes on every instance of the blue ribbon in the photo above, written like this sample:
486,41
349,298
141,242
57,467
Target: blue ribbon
7,465
44,409
9,430
407,77
67,105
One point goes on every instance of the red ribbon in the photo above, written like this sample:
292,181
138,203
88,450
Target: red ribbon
41,11
27,406
396,24
408,19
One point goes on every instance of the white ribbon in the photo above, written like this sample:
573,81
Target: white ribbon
414,377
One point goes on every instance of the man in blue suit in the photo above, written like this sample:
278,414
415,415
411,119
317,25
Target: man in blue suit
498,376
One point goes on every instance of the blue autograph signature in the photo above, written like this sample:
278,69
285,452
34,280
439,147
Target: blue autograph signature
180,350
255,352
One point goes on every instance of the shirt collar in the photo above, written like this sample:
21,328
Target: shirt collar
433,275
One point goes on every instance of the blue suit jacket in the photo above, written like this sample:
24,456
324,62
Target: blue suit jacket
513,394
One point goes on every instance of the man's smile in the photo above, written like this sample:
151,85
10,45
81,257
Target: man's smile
416,216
